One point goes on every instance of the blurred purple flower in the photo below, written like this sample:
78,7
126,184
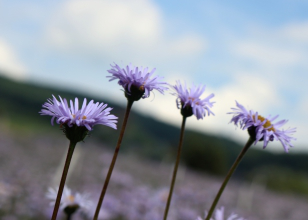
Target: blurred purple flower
76,202
89,115
219,215
136,81
190,102
262,129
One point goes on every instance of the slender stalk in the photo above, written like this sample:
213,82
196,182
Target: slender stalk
63,179
229,174
175,168
101,198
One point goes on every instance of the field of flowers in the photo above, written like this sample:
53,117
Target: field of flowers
138,188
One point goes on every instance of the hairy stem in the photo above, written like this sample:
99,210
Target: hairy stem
229,174
63,179
101,198
175,168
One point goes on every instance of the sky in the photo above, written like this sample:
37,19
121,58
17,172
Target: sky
254,52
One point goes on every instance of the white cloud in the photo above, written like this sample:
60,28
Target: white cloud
277,55
274,49
296,32
268,54
118,29
104,23
9,63
189,44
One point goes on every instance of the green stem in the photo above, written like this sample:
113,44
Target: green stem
175,168
231,171
63,179
101,198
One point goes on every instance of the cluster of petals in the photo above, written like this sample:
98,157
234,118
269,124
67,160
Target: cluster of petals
192,97
89,115
219,215
137,76
68,199
265,129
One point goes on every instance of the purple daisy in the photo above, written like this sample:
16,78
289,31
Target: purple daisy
262,129
71,202
89,115
219,215
137,82
190,102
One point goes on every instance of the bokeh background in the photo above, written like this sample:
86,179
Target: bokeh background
252,52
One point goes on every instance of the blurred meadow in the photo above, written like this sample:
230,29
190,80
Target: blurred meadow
252,52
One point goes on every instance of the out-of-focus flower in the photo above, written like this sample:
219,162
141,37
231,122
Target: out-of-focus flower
137,82
262,129
89,115
190,102
70,203
219,215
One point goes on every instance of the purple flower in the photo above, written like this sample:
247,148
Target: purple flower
191,102
89,115
262,129
69,201
219,215
137,82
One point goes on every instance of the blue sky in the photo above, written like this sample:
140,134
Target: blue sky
254,52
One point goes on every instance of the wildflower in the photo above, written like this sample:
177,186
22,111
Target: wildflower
219,215
261,128
77,122
88,116
190,102
137,82
70,203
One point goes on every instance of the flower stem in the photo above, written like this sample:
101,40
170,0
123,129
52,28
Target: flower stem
175,168
101,198
231,171
63,179
69,216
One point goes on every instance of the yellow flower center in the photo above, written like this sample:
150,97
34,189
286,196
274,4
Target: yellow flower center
193,99
267,123
141,88
71,198
83,117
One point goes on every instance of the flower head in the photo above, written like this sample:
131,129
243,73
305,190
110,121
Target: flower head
70,203
137,82
89,115
77,122
190,102
261,128
219,215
